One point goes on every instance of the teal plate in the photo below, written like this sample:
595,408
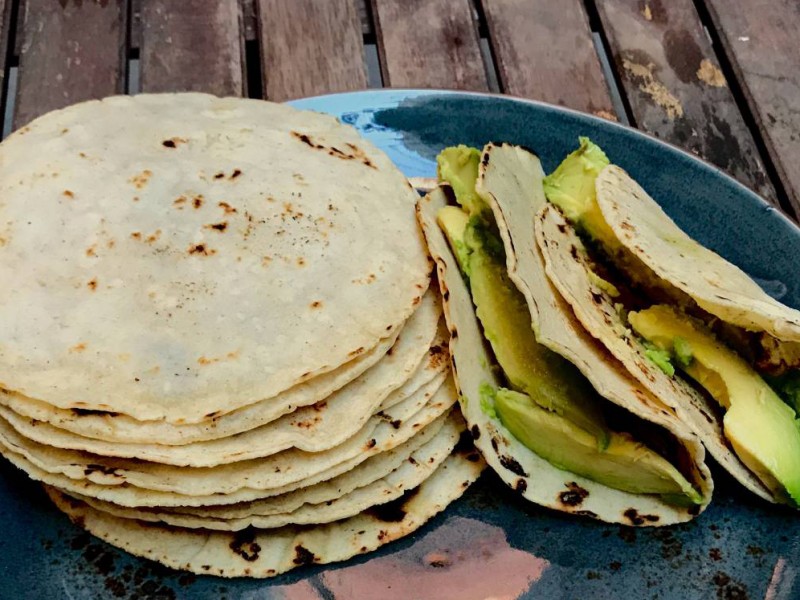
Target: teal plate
491,543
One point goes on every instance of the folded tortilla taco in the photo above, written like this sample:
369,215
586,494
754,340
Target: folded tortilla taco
692,328
559,419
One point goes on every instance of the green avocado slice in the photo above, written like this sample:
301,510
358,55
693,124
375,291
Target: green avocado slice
453,222
624,464
762,429
571,187
458,166
554,383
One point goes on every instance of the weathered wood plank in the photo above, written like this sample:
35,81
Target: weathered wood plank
429,43
310,47
760,40
675,88
544,51
192,45
72,51
5,37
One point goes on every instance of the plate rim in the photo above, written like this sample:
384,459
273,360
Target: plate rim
625,129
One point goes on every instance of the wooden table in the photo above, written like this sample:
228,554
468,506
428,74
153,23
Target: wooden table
720,78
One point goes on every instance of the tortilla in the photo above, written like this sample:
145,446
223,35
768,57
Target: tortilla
569,269
521,469
218,253
718,287
315,428
299,508
137,483
117,427
256,553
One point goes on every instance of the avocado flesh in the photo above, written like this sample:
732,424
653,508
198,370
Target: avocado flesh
571,188
453,222
624,464
761,428
458,166
554,383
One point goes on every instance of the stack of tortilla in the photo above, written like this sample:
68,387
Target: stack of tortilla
218,345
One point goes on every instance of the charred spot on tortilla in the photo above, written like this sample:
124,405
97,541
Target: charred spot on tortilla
521,486
512,465
476,432
303,556
244,544
573,250
574,495
638,519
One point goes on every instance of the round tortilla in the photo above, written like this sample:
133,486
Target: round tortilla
568,268
265,553
280,511
120,428
521,469
719,287
313,429
218,253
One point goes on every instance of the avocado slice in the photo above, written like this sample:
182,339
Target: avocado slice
458,166
571,188
554,383
762,429
624,464
453,222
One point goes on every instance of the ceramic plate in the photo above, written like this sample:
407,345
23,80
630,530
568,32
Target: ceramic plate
489,544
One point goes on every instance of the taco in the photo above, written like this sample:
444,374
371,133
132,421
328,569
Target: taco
691,327
559,419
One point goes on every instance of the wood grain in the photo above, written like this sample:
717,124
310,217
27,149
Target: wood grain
5,37
429,43
310,47
71,51
760,40
675,87
544,51
192,45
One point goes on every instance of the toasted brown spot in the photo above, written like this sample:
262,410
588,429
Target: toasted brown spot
476,432
356,352
153,236
201,249
316,304
574,495
219,175
371,444
140,180
227,208
173,142
303,556
136,235
573,252
521,485
512,465
68,194
301,262
236,173
197,201
78,347
92,284
638,519
244,544
218,226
